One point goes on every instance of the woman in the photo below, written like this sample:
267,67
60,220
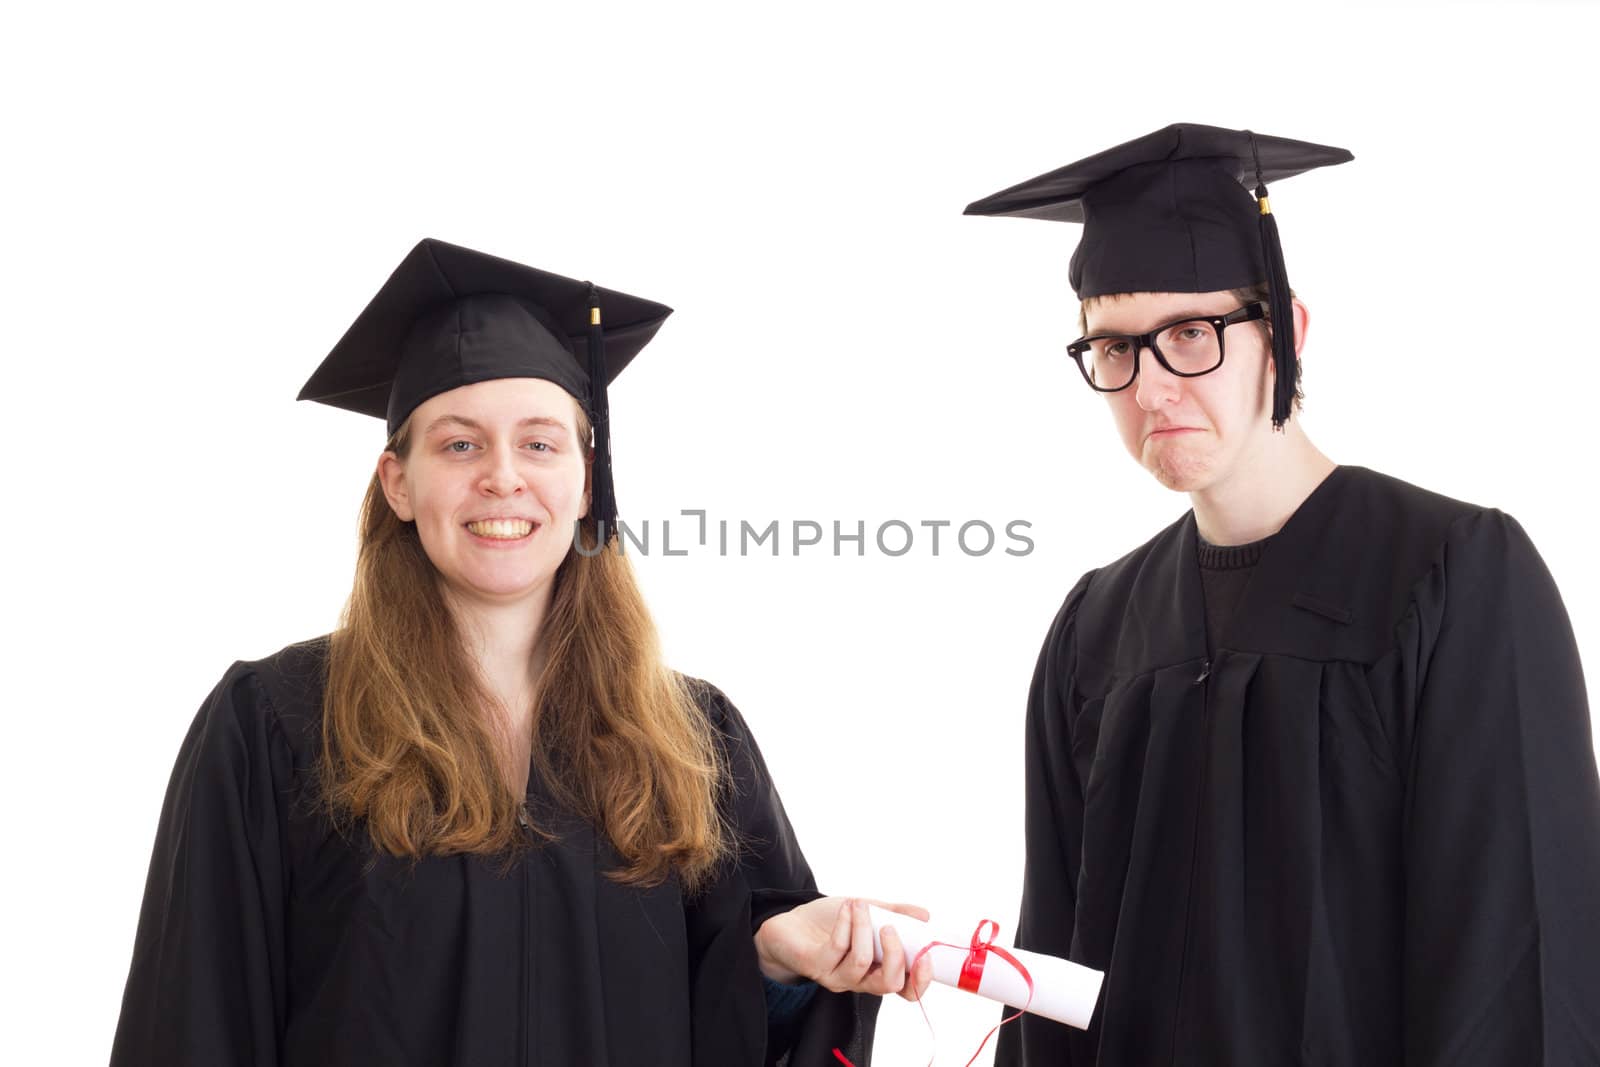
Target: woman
481,822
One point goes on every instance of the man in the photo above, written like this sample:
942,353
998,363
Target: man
1310,773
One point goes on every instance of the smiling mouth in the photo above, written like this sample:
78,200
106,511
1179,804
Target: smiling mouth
501,529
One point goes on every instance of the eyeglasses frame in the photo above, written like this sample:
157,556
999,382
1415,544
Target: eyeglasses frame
1252,312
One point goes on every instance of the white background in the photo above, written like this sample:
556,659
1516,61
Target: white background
198,201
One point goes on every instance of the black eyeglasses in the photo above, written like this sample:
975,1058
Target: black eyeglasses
1188,348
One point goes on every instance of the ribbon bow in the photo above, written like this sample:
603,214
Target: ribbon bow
972,966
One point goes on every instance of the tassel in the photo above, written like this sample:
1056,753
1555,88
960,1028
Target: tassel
1282,310
602,491
1279,303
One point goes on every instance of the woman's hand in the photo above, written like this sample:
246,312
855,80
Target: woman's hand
829,941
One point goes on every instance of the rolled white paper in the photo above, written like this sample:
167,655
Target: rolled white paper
1062,990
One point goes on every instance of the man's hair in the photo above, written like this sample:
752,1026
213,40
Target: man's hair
1250,294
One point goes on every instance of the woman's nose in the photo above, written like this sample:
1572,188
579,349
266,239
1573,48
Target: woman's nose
502,477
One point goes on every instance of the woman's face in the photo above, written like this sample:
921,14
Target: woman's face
494,479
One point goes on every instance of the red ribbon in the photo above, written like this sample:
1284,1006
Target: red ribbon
971,976
972,966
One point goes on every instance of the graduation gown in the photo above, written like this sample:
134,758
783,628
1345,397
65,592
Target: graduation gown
267,937
1366,831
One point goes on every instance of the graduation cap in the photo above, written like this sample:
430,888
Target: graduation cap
1172,211
449,316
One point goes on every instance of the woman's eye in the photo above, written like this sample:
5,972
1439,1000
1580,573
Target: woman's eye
539,446
458,446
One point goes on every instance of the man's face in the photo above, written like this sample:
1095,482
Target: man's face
1191,433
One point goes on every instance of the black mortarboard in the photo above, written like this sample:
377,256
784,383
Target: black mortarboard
1171,212
449,316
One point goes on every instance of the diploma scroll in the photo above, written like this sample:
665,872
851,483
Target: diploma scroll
1062,990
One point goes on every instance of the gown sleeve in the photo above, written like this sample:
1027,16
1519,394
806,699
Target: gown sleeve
1052,829
207,981
771,876
1502,823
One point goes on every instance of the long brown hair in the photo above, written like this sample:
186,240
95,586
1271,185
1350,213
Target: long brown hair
618,738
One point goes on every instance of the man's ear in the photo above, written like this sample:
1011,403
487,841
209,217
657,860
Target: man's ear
392,477
1302,323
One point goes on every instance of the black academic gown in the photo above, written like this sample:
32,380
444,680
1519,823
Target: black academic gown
268,938
1365,832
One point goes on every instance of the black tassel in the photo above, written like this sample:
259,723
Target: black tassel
1279,303
602,490
1281,308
